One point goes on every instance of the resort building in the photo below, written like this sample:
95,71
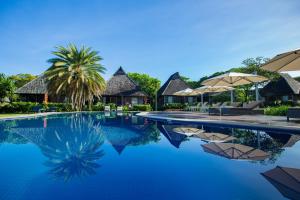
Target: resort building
122,90
34,91
283,89
174,84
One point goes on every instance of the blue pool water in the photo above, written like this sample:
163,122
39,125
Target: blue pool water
105,156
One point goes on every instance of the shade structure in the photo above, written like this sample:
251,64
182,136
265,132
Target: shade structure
235,151
212,89
235,79
214,137
232,79
188,131
288,61
285,180
185,92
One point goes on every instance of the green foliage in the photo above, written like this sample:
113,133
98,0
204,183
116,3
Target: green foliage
192,84
27,107
98,107
221,97
173,106
147,83
277,111
75,74
141,107
22,79
7,87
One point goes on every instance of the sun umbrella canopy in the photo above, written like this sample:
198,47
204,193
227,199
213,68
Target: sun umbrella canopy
234,79
215,137
185,92
289,61
211,89
188,131
235,151
286,180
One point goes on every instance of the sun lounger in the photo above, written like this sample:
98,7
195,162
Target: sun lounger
107,108
247,109
37,109
293,113
120,109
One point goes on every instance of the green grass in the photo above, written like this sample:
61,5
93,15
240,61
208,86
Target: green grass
10,115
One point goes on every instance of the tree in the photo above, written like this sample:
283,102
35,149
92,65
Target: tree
76,75
147,83
7,87
22,79
192,84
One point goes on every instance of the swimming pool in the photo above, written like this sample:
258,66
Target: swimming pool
106,156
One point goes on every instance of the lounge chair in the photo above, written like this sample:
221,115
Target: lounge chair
204,107
37,109
293,113
107,108
52,109
216,108
120,109
195,108
247,109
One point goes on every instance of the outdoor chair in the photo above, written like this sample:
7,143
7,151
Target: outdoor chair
204,107
195,108
120,109
107,108
293,113
52,109
247,109
37,109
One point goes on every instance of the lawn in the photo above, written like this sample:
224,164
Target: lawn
10,115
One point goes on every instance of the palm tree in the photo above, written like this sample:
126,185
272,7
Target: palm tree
75,74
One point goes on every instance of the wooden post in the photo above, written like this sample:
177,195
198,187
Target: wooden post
46,98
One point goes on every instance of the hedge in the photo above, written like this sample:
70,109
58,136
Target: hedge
173,106
277,111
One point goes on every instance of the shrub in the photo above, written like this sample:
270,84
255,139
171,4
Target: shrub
173,106
17,107
277,111
98,107
141,107
60,107
112,106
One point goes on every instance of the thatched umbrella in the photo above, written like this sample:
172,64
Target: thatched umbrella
286,180
288,61
235,151
235,79
214,137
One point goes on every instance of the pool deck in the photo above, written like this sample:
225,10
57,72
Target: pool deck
264,122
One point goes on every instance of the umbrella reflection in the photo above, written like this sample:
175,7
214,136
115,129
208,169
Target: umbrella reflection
285,180
188,131
215,137
235,151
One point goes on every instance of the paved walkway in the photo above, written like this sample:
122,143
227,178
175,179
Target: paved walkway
257,121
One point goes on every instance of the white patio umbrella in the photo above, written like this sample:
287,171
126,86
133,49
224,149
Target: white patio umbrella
288,61
185,92
212,89
235,79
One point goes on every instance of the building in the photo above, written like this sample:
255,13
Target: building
174,84
121,90
284,89
34,91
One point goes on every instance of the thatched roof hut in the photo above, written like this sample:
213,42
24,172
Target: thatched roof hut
284,86
174,84
34,91
121,85
36,86
121,89
166,93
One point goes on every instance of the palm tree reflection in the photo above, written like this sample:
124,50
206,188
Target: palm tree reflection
73,149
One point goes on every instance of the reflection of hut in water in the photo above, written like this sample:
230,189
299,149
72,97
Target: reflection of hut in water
285,180
174,138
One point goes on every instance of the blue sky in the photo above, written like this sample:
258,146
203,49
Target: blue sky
157,37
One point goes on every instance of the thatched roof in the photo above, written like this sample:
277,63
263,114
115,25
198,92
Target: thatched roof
121,85
285,85
172,85
36,86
